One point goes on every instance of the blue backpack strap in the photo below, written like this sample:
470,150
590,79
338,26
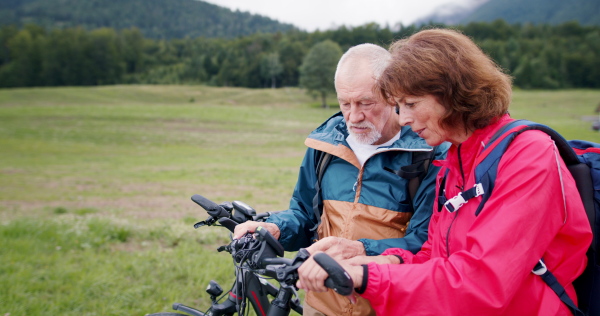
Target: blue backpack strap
486,172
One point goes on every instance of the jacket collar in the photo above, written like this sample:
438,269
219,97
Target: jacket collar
334,131
472,147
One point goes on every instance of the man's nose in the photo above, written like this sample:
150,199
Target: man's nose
356,115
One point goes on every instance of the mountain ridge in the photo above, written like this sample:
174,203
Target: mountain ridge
586,12
159,19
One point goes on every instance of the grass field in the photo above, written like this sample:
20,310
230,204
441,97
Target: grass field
95,186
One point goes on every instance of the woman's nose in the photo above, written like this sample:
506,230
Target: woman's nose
404,117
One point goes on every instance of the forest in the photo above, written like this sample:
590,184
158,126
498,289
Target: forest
540,56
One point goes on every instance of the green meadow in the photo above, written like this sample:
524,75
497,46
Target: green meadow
95,185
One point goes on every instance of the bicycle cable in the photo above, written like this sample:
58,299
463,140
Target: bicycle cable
245,254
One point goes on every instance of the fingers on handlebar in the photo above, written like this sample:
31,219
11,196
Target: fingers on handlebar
243,228
251,226
312,276
339,280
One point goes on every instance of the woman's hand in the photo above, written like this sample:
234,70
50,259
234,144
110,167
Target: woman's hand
312,276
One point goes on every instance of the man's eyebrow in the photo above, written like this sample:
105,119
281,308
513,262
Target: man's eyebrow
365,98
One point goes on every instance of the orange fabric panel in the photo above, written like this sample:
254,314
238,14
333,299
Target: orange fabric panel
339,151
354,221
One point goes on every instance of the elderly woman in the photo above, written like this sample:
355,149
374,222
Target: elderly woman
475,262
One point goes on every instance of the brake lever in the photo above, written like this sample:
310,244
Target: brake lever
224,248
288,274
208,222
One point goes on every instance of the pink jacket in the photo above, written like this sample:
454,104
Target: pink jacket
481,265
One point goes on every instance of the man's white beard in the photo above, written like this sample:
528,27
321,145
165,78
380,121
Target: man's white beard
365,138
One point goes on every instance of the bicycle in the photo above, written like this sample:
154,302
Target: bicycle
257,257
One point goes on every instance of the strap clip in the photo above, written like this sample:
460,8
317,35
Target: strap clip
540,268
455,203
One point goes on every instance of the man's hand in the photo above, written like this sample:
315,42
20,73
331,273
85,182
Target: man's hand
250,227
338,248
360,260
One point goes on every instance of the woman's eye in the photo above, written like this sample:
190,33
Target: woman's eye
409,105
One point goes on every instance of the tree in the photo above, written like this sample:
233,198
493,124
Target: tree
318,68
25,55
292,51
270,67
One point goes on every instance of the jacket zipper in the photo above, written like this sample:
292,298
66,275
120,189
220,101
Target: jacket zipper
461,188
448,234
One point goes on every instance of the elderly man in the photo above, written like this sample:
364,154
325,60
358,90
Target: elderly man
366,209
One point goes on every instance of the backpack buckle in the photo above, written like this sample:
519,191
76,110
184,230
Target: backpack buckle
453,204
540,268
478,189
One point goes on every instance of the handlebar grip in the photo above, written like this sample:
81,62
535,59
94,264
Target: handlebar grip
228,223
271,241
212,208
339,280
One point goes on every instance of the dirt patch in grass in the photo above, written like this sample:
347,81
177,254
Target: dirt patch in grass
153,205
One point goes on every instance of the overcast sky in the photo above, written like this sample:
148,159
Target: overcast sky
326,14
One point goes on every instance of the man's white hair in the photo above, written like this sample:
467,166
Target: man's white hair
377,57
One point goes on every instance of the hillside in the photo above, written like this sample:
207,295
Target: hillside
586,12
159,19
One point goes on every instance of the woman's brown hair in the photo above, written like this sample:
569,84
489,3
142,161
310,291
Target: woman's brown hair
448,65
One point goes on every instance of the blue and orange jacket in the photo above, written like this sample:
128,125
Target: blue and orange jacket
368,204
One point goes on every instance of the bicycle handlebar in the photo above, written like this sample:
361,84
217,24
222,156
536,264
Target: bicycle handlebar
228,223
339,280
265,249
212,208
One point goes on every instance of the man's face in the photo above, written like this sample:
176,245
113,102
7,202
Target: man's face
368,118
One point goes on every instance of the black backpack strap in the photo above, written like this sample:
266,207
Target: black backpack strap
415,172
442,191
323,160
541,270
422,160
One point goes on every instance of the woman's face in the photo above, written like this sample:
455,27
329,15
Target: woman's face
423,114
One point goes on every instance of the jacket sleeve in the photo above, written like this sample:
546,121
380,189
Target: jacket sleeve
296,222
416,232
424,254
501,245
